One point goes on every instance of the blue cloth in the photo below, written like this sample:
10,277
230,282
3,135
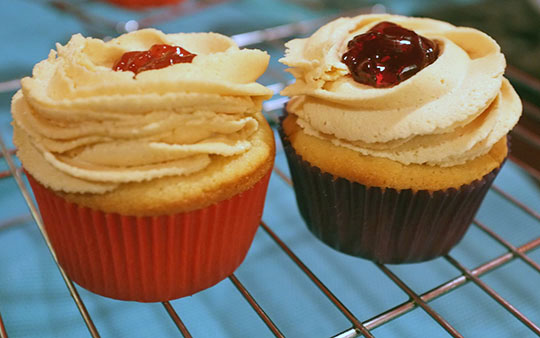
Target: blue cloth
34,301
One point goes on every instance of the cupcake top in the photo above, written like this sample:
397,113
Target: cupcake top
449,111
82,127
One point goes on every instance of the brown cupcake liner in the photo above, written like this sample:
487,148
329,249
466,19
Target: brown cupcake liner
384,225
154,258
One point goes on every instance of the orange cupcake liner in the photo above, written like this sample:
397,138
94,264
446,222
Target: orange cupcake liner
154,258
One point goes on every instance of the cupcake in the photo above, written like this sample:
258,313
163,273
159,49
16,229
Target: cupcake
149,159
395,129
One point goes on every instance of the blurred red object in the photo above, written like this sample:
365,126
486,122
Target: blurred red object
141,4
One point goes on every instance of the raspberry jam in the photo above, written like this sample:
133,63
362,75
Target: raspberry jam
388,54
158,56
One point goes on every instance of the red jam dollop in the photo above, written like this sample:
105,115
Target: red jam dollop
158,56
388,54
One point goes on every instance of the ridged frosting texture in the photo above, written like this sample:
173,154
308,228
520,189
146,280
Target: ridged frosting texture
81,127
452,111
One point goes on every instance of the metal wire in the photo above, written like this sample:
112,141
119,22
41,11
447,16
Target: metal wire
294,29
406,306
35,214
256,306
15,221
508,245
371,323
530,170
517,203
535,328
447,287
10,151
176,319
419,301
7,173
523,77
359,327
3,333
346,312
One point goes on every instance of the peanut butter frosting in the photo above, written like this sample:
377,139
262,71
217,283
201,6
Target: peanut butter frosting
81,127
450,112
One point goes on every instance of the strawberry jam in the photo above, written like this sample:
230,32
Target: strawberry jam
388,54
158,56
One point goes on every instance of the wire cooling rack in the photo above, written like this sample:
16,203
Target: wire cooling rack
274,38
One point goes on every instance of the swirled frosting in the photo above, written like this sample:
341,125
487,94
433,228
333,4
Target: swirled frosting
450,112
81,127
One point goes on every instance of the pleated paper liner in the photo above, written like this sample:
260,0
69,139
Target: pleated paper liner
382,224
149,259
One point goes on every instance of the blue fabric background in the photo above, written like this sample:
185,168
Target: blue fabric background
34,301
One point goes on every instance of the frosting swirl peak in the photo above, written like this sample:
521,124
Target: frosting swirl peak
449,112
82,127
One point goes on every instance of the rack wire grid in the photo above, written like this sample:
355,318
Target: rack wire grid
473,279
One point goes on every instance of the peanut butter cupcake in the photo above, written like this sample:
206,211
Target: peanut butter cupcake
149,159
395,130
